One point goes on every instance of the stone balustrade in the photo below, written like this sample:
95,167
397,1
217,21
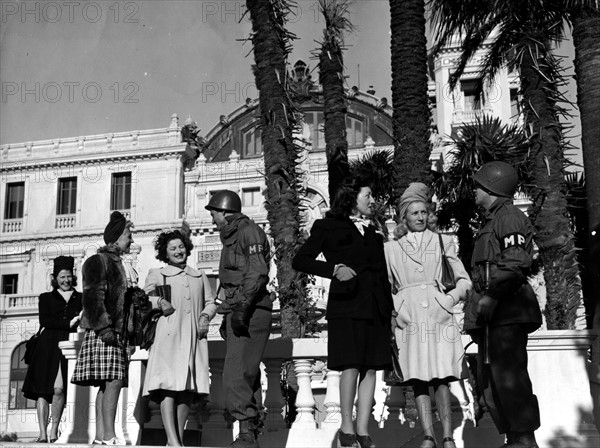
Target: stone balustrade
19,303
558,363
12,225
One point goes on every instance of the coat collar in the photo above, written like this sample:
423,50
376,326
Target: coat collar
171,271
414,252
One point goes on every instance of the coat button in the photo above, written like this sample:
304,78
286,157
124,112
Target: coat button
188,311
420,269
423,286
424,304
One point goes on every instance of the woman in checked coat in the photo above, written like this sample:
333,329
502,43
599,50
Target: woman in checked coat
427,334
178,360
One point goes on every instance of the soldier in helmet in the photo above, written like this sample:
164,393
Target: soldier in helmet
244,274
505,303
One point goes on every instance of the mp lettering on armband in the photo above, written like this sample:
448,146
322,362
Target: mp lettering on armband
255,249
512,240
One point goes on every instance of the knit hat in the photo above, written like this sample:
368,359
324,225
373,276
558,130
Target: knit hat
115,227
61,263
416,192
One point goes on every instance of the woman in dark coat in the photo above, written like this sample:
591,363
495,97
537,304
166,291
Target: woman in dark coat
46,376
359,307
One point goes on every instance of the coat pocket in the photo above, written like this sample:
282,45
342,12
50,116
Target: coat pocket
444,310
403,318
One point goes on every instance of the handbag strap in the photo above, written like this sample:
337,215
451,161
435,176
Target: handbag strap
442,245
164,278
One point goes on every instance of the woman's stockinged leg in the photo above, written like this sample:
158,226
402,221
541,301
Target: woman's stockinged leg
99,419
423,403
56,410
442,401
366,391
169,417
348,381
184,401
42,415
109,407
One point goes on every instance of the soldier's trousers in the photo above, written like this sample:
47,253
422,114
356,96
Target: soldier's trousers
241,371
510,387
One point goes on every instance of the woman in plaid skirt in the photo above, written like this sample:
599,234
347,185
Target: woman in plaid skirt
103,358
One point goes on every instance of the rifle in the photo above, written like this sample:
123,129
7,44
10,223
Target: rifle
483,364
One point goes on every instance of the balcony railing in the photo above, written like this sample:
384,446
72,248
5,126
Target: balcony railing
12,225
567,411
18,302
66,221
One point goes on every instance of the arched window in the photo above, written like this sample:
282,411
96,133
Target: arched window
252,143
354,131
18,370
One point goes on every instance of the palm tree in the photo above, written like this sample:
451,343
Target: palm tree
411,117
271,43
586,37
520,33
473,145
331,77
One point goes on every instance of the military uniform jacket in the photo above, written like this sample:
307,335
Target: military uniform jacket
244,264
506,241
369,292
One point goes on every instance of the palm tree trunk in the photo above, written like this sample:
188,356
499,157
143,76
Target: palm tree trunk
411,118
336,144
552,233
271,47
586,36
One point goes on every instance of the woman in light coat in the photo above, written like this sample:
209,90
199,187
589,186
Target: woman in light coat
428,335
178,359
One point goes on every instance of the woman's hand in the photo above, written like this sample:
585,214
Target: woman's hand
343,273
75,321
166,307
203,326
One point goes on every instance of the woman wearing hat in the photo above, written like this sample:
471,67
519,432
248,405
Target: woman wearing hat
177,370
428,336
45,380
359,307
103,358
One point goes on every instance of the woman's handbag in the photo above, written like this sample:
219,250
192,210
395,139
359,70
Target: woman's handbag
393,376
30,346
150,319
448,280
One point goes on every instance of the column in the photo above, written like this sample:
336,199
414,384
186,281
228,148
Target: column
305,402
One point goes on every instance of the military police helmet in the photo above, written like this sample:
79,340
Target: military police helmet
225,200
498,178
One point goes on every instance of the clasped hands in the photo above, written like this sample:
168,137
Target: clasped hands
486,307
343,273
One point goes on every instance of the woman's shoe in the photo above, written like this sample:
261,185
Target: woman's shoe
53,439
40,440
365,441
97,442
346,440
448,440
428,439
113,441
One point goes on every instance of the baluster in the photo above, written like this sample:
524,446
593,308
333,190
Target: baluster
305,402
274,401
396,404
332,400
215,431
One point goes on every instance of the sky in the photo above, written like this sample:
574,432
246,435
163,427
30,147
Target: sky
71,68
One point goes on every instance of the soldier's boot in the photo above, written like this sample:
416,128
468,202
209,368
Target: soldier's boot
510,438
523,440
246,438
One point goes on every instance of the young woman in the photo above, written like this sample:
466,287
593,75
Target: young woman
178,360
360,304
428,336
45,380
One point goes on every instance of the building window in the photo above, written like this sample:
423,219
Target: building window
316,122
515,105
120,198
252,143
15,199
251,197
10,283
67,196
18,370
471,102
354,131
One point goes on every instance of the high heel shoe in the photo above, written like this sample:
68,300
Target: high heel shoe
365,441
428,439
346,440
446,440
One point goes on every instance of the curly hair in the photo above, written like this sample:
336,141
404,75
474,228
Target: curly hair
401,229
54,283
344,202
163,239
